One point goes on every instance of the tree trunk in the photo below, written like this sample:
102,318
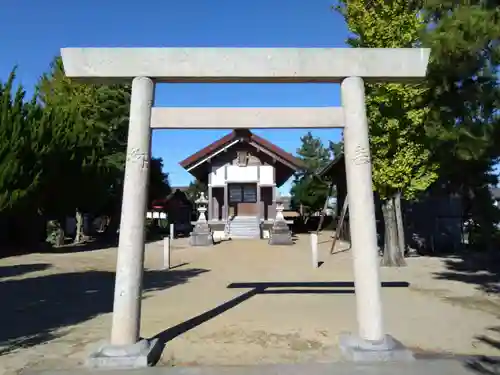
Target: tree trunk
393,257
79,227
399,223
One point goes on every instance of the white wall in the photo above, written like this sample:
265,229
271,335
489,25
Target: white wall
242,174
218,178
266,174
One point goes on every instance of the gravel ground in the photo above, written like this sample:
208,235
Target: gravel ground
56,307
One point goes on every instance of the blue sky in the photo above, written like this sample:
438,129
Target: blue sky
34,31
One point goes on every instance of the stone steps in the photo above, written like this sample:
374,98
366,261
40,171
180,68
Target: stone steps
244,227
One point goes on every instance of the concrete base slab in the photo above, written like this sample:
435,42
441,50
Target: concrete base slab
144,353
418,367
358,350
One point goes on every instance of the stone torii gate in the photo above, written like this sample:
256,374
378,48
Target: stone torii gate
147,66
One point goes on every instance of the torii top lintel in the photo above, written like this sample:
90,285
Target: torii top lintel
251,65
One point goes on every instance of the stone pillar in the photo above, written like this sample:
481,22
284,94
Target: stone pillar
125,349
129,268
362,210
371,344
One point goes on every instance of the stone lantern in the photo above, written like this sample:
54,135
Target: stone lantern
201,234
280,233
202,204
279,208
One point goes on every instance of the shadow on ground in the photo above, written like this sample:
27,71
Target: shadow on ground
486,364
256,288
481,269
21,269
100,242
33,308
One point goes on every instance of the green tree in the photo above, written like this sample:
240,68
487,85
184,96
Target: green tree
91,176
336,148
464,98
64,153
29,139
308,190
159,186
195,189
397,114
17,178
83,160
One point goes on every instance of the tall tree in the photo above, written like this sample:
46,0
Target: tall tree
308,190
397,113
17,178
159,186
98,140
464,98
30,139
195,189
336,148
64,152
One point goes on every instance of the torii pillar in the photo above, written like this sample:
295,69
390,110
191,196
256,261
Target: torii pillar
348,66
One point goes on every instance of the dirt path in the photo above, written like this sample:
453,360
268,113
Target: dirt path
58,306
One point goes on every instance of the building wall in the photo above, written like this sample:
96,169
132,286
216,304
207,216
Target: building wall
267,206
217,205
261,169
433,223
264,174
225,167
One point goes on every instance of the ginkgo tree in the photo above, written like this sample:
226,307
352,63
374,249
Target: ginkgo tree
402,162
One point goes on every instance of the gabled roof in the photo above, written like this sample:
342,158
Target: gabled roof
330,168
248,136
175,194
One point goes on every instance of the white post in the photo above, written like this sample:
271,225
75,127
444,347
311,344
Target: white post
362,210
130,262
314,249
172,231
166,253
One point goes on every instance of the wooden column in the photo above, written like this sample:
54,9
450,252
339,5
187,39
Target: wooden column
210,203
225,208
259,203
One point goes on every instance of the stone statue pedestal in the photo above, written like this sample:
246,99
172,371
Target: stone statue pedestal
201,235
280,234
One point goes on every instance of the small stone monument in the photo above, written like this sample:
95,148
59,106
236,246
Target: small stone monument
201,235
280,233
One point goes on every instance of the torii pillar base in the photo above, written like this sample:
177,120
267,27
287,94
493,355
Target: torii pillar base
143,353
355,349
